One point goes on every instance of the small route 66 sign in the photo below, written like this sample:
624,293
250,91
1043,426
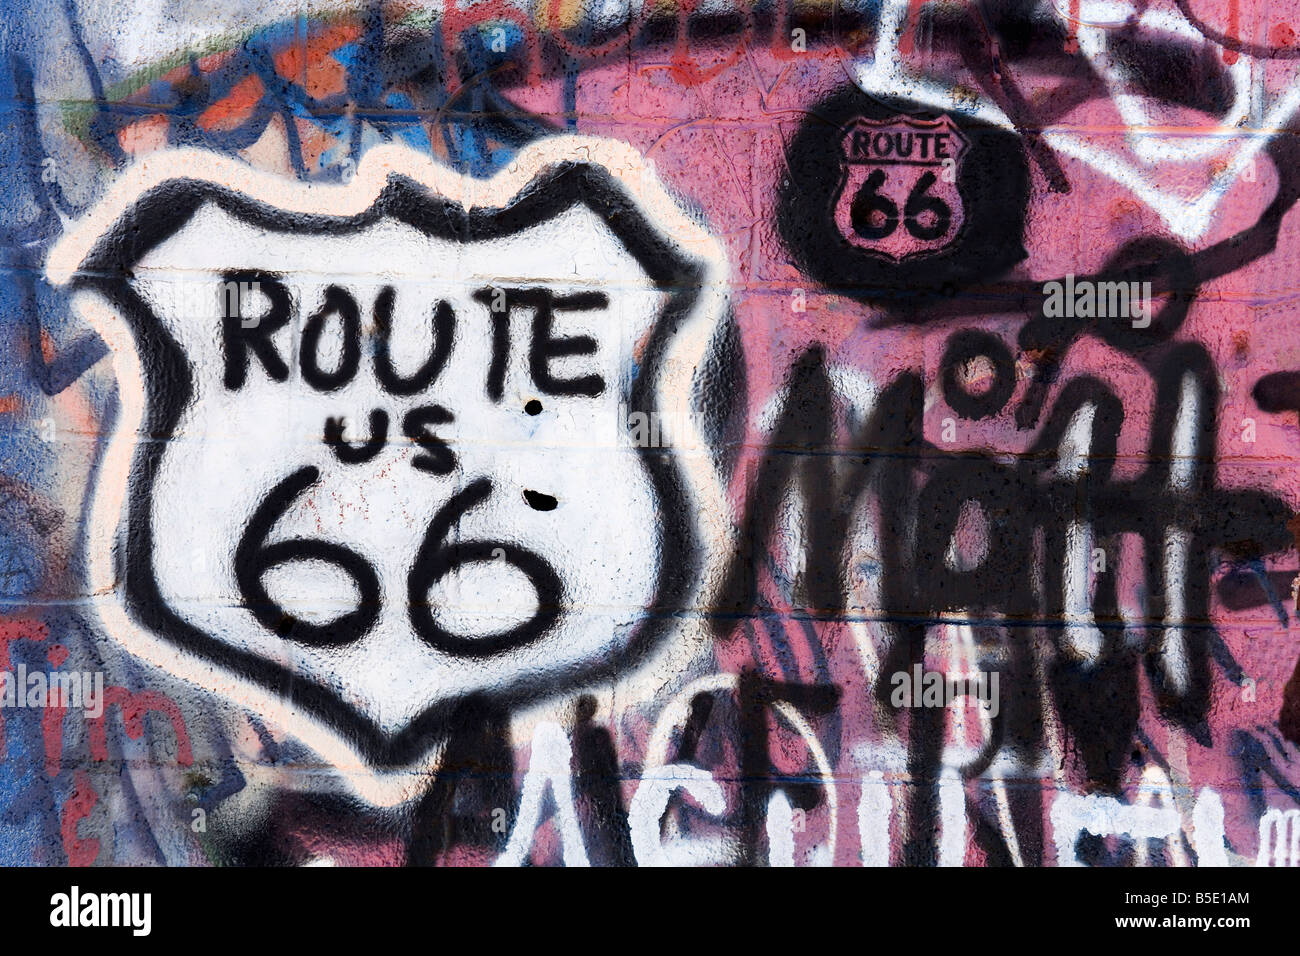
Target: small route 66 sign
898,196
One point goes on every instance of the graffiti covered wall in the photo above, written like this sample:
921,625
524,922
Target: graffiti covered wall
859,432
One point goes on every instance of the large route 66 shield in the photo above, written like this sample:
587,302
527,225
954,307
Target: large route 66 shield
898,196
372,456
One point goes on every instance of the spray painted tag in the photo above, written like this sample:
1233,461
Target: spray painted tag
899,196
371,463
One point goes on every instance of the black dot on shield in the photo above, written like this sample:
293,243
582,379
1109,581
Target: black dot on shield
534,407
540,502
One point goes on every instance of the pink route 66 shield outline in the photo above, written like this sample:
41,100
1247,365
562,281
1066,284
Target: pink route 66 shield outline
992,181
898,196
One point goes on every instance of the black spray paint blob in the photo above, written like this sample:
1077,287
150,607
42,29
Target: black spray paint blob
539,501
992,181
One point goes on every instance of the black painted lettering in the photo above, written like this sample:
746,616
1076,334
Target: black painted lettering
444,330
337,301
239,336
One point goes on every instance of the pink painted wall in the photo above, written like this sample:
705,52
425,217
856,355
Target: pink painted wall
885,446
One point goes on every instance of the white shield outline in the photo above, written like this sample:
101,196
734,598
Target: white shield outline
704,497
